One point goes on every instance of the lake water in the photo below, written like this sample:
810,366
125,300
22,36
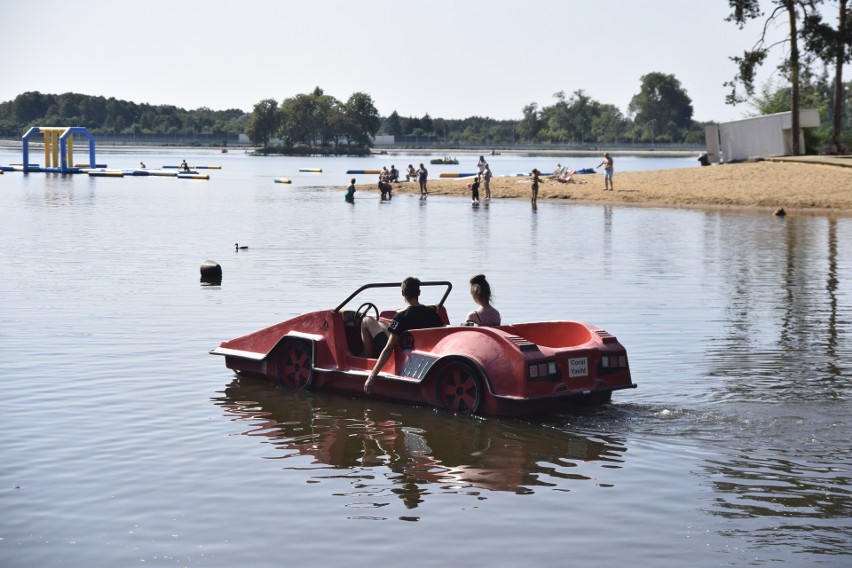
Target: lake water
125,442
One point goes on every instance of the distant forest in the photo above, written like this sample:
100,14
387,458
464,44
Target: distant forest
101,115
660,114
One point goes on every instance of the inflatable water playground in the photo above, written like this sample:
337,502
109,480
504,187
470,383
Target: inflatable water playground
59,157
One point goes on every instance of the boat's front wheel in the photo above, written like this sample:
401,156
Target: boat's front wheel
295,364
459,388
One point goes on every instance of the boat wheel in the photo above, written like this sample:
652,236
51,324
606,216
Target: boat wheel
459,388
295,364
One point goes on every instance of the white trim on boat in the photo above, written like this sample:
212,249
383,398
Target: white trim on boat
253,355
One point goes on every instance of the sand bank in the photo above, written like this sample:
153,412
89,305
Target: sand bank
794,186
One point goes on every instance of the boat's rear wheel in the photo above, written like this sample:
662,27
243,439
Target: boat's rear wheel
459,388
295,364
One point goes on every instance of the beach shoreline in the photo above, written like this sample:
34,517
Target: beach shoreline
797,186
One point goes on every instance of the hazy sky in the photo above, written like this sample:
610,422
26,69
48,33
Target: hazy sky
451,59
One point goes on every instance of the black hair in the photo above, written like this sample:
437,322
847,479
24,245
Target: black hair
481,289
411,287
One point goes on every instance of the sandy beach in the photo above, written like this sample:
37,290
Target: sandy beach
799,185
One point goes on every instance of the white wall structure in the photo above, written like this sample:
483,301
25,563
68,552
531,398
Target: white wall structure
759,137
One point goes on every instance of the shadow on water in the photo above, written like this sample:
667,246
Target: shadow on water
418,450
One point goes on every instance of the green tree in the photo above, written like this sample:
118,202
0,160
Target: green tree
582,110
297,119
832,46
263,122
364,117
393,125
530,125
742,12
661,108
28,107
327,117
608,124
556,119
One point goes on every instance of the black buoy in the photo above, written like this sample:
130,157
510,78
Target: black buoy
211,273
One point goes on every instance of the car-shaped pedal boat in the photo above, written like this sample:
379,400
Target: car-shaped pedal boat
509,370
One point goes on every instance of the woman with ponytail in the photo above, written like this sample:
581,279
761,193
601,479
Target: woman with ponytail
486,314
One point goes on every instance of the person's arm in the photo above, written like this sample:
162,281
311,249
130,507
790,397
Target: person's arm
393,340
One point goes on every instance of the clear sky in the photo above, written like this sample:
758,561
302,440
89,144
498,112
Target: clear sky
451,59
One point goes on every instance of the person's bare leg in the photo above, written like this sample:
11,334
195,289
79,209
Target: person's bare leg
370,328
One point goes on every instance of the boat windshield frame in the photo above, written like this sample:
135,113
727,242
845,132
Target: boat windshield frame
447,283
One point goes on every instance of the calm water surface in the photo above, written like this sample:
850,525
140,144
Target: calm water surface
124,442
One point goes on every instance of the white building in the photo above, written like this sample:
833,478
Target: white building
758,137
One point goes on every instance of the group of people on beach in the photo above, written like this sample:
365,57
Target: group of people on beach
380,337
482,179
564,175
391,176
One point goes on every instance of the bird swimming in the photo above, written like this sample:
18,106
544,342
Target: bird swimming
238,247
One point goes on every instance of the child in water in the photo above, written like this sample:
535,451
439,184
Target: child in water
474,191
350,192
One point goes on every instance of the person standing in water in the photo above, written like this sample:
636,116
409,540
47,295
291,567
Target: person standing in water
423,176
534,187
474,191
486,179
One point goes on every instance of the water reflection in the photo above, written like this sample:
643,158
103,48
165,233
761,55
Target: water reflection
783,331
412,452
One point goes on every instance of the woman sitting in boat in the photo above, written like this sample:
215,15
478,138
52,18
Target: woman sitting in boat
486,314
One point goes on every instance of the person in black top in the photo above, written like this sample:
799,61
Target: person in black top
378,335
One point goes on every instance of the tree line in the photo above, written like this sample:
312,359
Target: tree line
660,113
102,115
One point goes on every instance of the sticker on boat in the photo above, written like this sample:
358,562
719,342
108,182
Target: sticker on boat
578,367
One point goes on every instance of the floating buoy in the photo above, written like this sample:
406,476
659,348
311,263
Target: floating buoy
211,273
283,180
363,172
193,176
106,173
311,170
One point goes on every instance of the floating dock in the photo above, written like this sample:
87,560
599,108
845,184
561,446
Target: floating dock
195,167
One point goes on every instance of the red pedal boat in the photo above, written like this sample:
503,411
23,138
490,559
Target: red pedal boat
510,370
